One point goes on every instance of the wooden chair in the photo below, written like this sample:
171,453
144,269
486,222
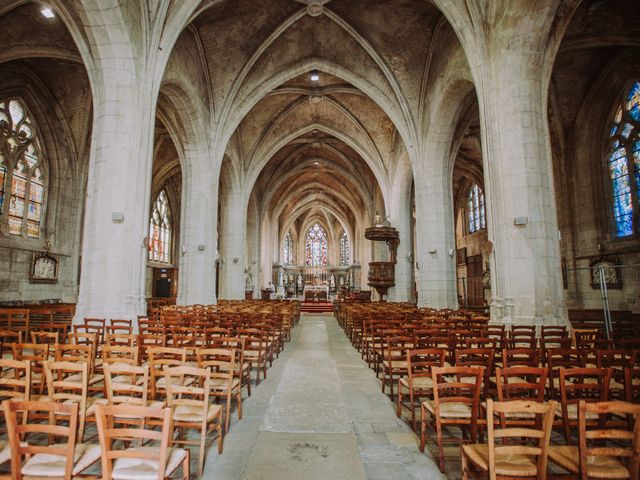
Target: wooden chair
477,357
589,384
456,401
394,364
82,353
632,384
557,359
520,383
605,449
419,382
41,336
15,383
61,460
243,366
512,452
160,357
618,361
147,341
37,354
7,339
224,386
68,382
147,461
255,351
188,390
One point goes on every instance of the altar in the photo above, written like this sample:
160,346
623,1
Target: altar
316,293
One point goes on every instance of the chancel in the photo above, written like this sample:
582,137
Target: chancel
319,239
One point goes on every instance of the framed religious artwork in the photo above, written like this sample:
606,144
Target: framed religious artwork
611,272
44,268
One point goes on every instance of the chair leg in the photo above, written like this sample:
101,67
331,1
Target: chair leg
464,465
399,403
239,404
186,466
220,436
227,414
203,439
440,446
413,409
423,427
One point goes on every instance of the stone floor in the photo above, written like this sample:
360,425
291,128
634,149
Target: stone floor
320,415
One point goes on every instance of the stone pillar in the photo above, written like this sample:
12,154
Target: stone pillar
435,235
401,220
199,229
114,255
233,225
526,279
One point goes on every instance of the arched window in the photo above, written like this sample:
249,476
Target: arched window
316,246
22,176
288,249
160,230
475,209
624,162
345,250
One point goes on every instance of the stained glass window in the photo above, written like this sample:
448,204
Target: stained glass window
316,246
475,209
160,230
624,162
288,250
21,171
345,250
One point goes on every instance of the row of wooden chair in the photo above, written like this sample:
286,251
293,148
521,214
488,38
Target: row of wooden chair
124,452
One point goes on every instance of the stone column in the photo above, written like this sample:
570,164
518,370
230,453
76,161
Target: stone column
199,229
401,219
526,279
233,226
114,255
435,235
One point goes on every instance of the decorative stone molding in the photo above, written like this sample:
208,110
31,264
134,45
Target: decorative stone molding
315,10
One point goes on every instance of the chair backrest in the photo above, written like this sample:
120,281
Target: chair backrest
119,322
590,384
623,446
110,430
632,384
120,354
521,357
19,432
128,384
219,361
62,388
15,379
40,336
188,386
117,338
521,383
7,339
420,362
76,353
530,441
459,385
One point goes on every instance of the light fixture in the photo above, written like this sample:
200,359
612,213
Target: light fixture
315,76
316,163
47,12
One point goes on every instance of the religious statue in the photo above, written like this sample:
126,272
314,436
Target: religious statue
248,282
332,282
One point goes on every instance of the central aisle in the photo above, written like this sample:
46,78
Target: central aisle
319,415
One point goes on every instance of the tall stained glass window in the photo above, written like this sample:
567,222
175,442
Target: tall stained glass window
160,230
624,162
475,209
345,249
316,246
288,250
22,178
